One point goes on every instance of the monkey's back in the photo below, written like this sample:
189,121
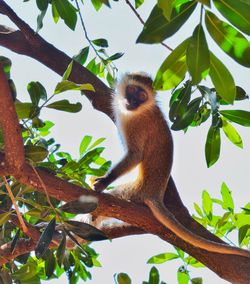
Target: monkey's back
149,135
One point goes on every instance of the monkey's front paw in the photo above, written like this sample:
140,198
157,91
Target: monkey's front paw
100,184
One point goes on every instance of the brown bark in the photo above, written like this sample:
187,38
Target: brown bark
25,41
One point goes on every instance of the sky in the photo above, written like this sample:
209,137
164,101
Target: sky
121,28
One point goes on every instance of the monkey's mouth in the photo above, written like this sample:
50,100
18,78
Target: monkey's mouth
131,106
132,103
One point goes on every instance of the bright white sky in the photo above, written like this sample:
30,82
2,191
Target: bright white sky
121,28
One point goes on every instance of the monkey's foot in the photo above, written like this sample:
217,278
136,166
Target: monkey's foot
100,184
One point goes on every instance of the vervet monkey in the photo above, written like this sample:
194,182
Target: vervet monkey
149,145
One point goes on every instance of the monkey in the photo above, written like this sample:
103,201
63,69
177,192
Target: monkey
149,145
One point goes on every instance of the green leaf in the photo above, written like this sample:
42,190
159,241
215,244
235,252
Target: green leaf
182,276
84,144
35,153
67,12
198,59
157,27
163,257
231,133
6,65
26,272
179,106
85,231
222,79
241,94
24,110
102,42
212,148
241,117
115,56
81,206
207,204
68,85
61,250
229,39
154,277
97,4
42,4
91,156
39,20
14,242
45,239
123,278
96,143
65,105
82,56
50,264
243,233
67,72
236,12
36,91
4,217
197,280
198,209
106,2
55,13
173,69
138,3
228,202
186,119
167,7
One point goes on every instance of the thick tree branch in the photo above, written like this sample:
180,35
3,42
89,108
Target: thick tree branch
13,142
140,216
46,53
23,246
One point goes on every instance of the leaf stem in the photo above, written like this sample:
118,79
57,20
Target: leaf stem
85,31
46,193
201,14
12,197
142,21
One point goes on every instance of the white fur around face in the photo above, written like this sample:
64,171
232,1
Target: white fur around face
119,101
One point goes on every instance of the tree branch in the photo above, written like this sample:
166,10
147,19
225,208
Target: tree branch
13,142
46,53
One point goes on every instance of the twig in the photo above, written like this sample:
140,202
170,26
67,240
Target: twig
46,193
85,31
142,21
12,197
136,13
89,40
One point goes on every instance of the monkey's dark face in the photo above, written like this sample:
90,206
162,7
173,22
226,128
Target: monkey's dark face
135,96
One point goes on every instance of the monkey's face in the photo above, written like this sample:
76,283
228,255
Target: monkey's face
135,96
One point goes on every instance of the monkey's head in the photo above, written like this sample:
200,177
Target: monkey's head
135,92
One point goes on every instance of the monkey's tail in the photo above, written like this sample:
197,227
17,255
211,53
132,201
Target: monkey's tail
163,215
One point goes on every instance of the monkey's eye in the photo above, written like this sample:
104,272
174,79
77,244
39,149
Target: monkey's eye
142,96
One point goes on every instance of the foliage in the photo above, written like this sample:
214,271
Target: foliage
44,152
226,225
191,59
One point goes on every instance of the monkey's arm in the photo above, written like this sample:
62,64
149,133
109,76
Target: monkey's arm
130,160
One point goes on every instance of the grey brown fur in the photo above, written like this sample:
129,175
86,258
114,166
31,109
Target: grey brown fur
149,145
